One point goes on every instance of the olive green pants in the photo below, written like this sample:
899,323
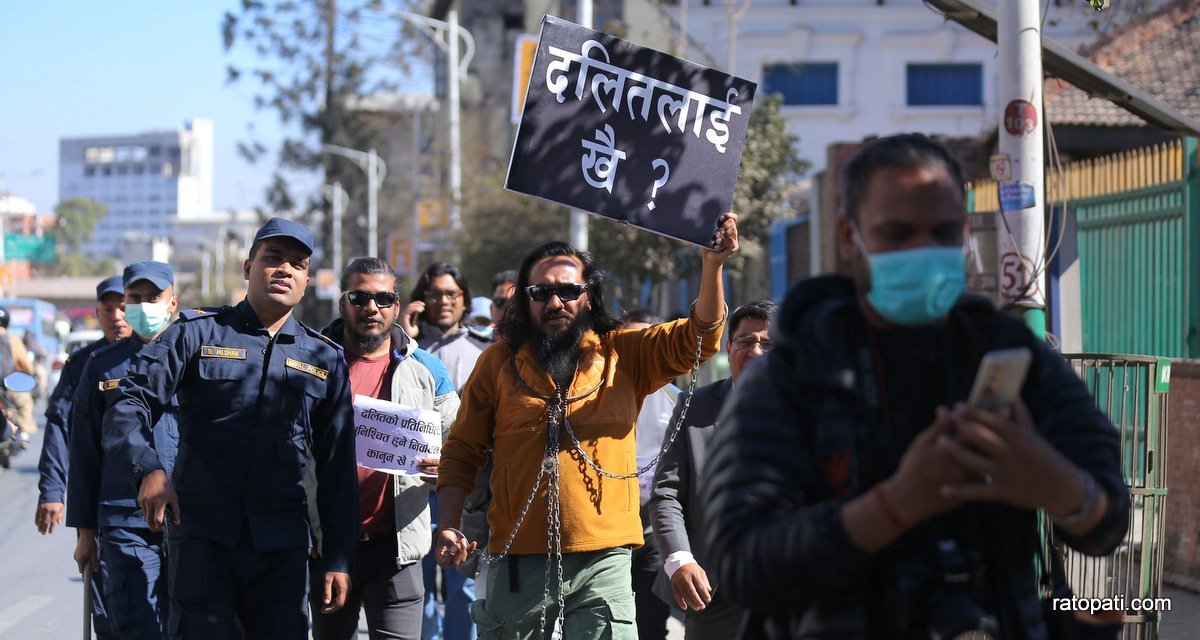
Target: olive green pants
597,592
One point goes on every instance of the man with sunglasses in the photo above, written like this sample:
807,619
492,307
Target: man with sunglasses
393,531
504,284
556,401
264,405
675,511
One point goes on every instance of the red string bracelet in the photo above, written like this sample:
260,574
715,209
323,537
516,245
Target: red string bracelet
888,512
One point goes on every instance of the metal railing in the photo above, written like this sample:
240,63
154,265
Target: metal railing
1132,392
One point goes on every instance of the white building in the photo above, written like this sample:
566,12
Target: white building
854,68
148,181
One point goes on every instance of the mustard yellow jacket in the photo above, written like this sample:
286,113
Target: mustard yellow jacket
498,413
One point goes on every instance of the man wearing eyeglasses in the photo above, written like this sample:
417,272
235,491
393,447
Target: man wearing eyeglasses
676,513
556,401
393,530
434,316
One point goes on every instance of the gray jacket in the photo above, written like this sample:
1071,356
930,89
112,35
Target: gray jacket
676,512
418,379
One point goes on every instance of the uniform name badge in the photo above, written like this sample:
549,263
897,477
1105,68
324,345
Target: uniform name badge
228,353
390,437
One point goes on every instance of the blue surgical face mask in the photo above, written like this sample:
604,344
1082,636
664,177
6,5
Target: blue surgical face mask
915,287
148,318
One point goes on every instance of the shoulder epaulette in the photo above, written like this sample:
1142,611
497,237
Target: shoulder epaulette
201,312
317,334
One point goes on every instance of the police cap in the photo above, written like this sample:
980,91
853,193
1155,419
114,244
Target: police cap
282,228
111,284
159,274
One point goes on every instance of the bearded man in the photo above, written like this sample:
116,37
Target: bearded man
556,400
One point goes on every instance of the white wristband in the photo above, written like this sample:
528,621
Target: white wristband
677,560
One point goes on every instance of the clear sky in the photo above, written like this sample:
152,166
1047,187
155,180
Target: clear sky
72,68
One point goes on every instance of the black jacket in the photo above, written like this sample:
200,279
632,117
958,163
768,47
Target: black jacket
800,433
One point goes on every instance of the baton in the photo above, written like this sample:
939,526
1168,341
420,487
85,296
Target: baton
87,602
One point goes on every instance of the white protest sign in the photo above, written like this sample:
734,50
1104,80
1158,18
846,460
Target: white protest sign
391,438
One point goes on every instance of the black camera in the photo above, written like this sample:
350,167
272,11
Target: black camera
934,592
953,612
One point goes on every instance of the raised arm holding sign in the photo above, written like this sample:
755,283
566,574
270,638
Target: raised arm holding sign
626,153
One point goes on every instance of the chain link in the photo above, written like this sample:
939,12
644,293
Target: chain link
675,429
556,423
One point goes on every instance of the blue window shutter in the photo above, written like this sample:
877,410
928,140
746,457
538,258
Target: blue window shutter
945,85
803,83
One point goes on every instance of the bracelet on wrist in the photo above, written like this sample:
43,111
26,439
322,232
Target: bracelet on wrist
1085,508
886,508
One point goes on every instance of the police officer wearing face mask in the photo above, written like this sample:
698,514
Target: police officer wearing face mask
264,403
114,537
852,493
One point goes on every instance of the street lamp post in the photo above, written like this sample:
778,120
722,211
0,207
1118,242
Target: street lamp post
338,198
446,35
376,170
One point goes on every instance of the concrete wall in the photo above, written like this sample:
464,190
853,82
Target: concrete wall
1182,534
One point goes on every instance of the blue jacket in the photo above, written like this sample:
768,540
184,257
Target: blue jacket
254,413
52,465
98,492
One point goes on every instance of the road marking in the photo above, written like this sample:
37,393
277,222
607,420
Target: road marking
21,609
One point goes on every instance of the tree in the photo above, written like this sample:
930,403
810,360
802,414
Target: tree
313,60
500,227
74,224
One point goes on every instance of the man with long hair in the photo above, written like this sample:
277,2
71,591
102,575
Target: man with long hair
556,401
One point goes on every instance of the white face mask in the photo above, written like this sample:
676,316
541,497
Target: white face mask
148,318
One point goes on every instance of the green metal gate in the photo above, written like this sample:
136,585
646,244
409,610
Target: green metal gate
1132,391
1138,261
1138,224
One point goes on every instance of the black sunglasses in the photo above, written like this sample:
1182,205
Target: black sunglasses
565,292
360,298
499,302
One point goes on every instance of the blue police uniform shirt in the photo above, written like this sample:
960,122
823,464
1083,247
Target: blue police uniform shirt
98,490
54,459
253,411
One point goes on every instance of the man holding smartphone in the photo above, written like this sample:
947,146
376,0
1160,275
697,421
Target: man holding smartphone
851,489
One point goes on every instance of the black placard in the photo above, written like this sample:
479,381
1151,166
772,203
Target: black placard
630,133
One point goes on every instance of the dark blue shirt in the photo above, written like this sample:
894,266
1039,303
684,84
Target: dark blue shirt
52,466
99,493
254,411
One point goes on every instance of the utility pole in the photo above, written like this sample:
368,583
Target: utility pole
338,199
579,223
1021,163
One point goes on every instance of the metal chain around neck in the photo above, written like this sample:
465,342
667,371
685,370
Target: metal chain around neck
675,429
556,423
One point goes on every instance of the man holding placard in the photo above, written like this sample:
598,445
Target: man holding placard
404,402
556,401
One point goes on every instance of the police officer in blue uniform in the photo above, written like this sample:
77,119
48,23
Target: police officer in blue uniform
52,465
262,398
103,504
